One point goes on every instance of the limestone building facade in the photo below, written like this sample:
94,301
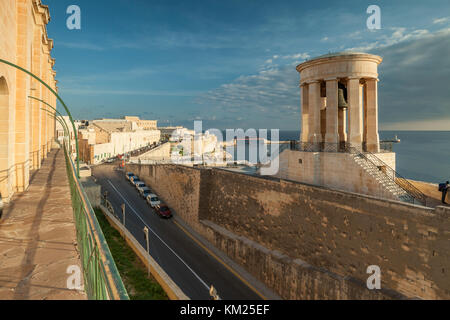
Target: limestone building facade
107,138
26,131
60,133
143,124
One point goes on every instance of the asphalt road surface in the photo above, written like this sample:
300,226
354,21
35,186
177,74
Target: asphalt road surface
189,265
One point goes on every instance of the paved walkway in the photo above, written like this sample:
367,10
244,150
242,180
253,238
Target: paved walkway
38,239
434,196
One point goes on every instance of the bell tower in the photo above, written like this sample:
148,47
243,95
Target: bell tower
339,145
340,102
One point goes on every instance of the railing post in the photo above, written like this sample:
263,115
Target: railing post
148,245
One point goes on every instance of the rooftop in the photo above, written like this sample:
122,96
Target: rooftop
344,54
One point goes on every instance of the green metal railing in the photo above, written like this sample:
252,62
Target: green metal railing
101,277
57,97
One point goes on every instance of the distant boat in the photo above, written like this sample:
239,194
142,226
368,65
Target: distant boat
395,140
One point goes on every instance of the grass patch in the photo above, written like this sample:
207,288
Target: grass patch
132,270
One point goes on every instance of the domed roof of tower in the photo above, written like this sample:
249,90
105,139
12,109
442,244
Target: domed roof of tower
343,55
337,54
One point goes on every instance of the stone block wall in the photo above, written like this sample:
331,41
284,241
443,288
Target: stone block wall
309,242
179,186
336,170
93,191
341,232
161,152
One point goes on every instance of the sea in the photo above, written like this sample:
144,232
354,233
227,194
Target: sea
420,155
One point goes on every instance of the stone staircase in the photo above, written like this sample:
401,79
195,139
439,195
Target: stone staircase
368,163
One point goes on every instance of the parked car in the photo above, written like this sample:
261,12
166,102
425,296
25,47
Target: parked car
128,175
163,211
139,185
145,191
134,179
153,200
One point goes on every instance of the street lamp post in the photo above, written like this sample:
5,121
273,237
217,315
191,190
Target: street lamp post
148,245
123,214
58,97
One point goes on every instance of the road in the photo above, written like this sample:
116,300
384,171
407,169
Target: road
189,265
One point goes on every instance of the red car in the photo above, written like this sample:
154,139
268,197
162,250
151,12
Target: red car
163,211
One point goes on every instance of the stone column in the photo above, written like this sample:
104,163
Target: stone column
43,107
342,124
49,117
36,91
305,113
331,133
323,116
22,120
314,112
49,94
355,120
373,140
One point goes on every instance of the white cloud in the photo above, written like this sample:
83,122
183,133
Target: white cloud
297,56
81,45
441,20
410,55
96,92
398,35
355,35
116,75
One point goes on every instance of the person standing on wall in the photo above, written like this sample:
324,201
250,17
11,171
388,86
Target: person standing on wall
443,187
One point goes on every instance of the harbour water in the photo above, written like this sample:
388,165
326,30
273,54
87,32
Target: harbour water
421,155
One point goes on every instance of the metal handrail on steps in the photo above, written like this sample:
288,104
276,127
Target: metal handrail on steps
414,195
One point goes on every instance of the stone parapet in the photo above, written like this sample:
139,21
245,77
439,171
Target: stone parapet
311,242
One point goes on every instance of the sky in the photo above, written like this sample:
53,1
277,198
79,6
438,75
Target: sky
232,63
